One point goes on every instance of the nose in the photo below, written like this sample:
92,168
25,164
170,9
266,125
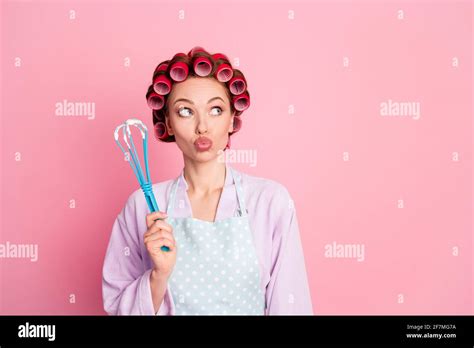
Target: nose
201,126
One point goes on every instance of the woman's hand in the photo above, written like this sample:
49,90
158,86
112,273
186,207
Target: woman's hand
160,233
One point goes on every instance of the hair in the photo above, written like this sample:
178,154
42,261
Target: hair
160,103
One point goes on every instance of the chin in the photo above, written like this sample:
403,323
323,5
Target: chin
205,156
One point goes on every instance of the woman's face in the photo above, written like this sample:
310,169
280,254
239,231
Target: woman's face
198,108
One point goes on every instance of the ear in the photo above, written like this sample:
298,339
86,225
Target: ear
168,126
231,126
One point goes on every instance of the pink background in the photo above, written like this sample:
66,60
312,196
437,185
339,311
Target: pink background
286,61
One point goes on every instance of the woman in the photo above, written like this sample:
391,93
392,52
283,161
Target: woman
233,239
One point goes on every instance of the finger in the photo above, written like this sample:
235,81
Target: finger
157,244
158,235
163,225
163,233
158,226
150,218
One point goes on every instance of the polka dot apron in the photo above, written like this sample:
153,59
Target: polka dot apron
216,270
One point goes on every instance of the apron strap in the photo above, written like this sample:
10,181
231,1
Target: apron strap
239,190
169,209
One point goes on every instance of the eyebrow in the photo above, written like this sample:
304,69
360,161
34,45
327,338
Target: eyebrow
191,102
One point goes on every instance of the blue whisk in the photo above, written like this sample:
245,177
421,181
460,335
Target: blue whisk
146,185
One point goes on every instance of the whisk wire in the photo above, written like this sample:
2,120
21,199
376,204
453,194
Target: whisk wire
145,183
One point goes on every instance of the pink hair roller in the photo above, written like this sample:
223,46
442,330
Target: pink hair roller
241,102
181,54
220,56
179,71
202,66
195,50
237,85
224,72
158,116
161,67
154,100
161,131
237,124
162,85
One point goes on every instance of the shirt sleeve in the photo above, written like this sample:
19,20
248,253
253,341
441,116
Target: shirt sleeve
288,291
125,280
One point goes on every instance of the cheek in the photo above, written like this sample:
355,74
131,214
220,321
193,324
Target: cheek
224,123
180,128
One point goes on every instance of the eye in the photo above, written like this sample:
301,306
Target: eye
184,114
217,107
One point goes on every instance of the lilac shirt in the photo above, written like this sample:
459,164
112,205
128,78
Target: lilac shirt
127,265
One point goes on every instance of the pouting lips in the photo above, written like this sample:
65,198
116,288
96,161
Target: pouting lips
203,144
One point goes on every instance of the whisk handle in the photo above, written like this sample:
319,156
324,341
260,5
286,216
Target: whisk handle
151,201
163,247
